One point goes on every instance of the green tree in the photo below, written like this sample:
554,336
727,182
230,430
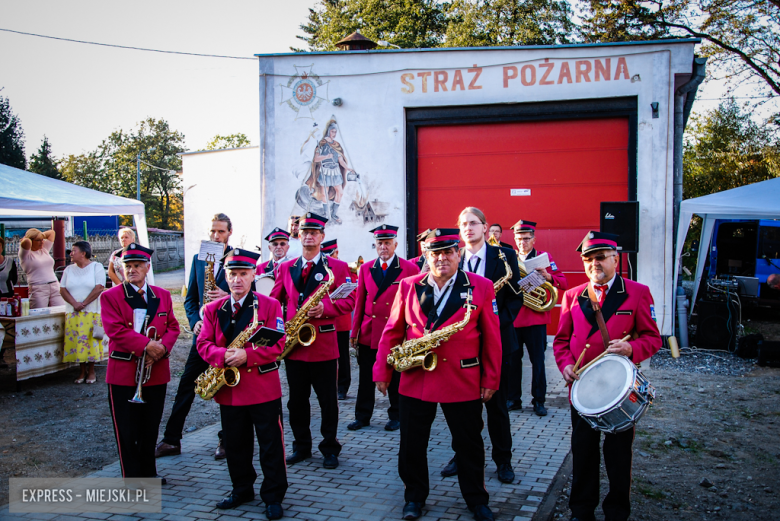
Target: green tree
42,162
487,23
230,141
741,37
726,149
11,137
112,169
434,23
406,23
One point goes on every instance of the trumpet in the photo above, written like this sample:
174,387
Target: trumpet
143,372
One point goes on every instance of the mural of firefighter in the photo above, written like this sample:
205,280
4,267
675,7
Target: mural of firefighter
325,180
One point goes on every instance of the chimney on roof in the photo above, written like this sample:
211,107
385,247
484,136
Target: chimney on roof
355,42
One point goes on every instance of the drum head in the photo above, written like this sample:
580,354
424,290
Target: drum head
603,385
264,284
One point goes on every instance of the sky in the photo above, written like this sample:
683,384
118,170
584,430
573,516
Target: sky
78,94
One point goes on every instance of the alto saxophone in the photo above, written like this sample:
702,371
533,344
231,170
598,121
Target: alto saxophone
212,380
500,283
540,299
209,282
419,351
298,330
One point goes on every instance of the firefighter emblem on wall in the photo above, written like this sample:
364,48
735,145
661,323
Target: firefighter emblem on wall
304,92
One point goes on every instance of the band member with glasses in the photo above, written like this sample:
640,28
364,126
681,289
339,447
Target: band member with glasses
141,328
531,327
627,309
278,245
466,374
480,258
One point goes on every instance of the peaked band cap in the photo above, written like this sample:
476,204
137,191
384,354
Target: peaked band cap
238,258
312,221
385,232
329,247
135,251
594,241
277,233
442,238
524,226
422,235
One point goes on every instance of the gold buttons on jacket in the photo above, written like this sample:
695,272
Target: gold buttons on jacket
373,316
375,303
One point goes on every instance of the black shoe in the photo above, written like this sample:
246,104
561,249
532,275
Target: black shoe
298,456
331,461
451,469
342,396
514,405
539,409
163,481
220,452
356,425
482,513
392,425
505,473
232,501
412,510
274,511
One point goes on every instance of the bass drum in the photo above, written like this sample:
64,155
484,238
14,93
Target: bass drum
264,283
612,395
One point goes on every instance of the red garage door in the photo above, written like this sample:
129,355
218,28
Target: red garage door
569,167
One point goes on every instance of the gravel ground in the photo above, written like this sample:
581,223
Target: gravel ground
697,361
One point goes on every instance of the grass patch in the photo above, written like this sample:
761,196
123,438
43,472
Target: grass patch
650,492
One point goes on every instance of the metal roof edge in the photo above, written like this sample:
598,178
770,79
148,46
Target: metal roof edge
509,48
217,150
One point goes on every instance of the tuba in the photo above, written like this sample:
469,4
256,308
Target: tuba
212,380
418,352
541,298
298,330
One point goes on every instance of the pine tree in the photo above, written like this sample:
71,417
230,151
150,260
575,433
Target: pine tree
11,137
43,163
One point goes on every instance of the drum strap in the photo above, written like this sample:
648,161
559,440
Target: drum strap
594,303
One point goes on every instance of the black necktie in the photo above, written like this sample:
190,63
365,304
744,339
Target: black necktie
473,269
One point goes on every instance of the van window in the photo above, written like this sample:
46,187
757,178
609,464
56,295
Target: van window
769,242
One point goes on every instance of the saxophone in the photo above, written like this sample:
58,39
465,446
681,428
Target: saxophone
500,283
541,298
419,351
209,283
212,380
298,330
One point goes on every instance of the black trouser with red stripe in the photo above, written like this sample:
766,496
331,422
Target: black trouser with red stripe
265,419
136,426
464,420
364,405
302,377
345,369
586,461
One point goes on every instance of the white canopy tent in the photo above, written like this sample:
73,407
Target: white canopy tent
25,193
756,201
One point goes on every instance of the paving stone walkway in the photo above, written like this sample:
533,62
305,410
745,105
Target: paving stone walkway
366,485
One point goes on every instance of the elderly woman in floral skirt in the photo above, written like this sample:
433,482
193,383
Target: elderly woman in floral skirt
81,285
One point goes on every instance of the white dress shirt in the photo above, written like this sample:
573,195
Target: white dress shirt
479,260
440,296
315,260
145,288
234,301
389,261
296,248
609,287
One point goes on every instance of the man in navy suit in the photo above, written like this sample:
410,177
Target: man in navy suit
221,230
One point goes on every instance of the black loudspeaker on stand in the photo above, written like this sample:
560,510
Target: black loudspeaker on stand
717,325
622,219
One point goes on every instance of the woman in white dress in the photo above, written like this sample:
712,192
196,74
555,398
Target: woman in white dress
81,285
